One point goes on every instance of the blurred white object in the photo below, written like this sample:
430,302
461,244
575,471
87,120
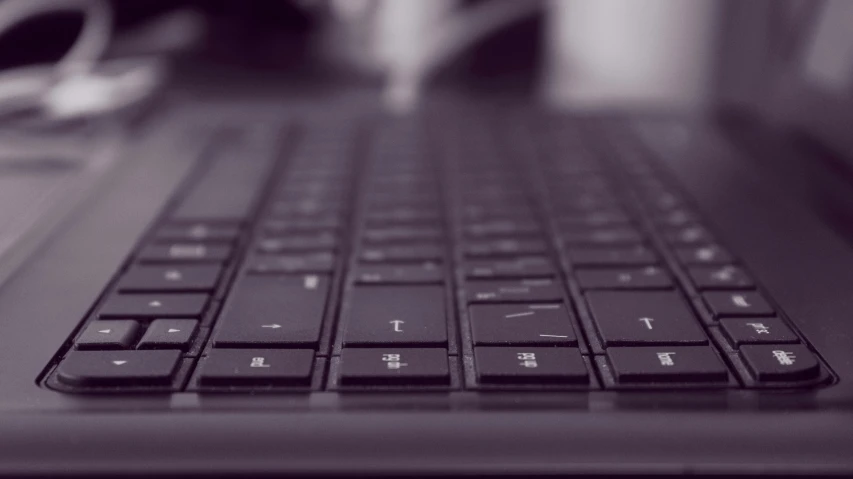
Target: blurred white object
634,53
829,58
81,83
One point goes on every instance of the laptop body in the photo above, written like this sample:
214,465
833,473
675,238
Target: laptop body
619,293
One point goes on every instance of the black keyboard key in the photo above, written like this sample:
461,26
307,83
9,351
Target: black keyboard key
395,315
273,311
228,187
502,227
602,237
109,335
174,278
737,303
118,368
687,235
256,367
154,306
635,256
402,234
323,262
323,241
598,219
402,253
394,367
169,334
526,365
675,218
505,247
198,232
400,216
787,362
516,324
522,267
650,277
699,255
644,318
682,364
518,291
423,273
720,277
185,253
757,331
277,226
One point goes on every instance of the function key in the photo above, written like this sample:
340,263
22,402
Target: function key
118,368
506,324
650,277
523,267
526,365
394,367
738,303
154,306
634,256
174,278
690,364
185,253
720,277
789,362
256,367
757,331
423,273
198,232
169,334
524,291
711,254
108,335
640,318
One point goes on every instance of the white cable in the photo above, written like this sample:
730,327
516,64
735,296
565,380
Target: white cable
22,87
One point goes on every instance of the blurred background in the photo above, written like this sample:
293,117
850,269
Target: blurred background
575,53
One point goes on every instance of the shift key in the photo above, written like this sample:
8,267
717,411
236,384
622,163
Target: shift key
395,315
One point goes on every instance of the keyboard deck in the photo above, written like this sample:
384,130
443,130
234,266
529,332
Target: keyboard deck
433,254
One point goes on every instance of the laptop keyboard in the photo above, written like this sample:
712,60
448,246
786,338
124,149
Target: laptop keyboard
433,254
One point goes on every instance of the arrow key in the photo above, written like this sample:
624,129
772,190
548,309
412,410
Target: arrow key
118,368
169,334
109,335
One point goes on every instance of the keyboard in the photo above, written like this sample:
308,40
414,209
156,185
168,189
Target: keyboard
433,253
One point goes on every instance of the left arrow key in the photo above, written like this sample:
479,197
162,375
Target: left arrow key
119,334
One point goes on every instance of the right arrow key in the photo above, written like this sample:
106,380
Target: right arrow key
169,334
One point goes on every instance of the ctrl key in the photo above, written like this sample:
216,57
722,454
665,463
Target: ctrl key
118,368
394,367
530,366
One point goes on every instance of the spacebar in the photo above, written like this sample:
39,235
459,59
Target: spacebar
229,185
